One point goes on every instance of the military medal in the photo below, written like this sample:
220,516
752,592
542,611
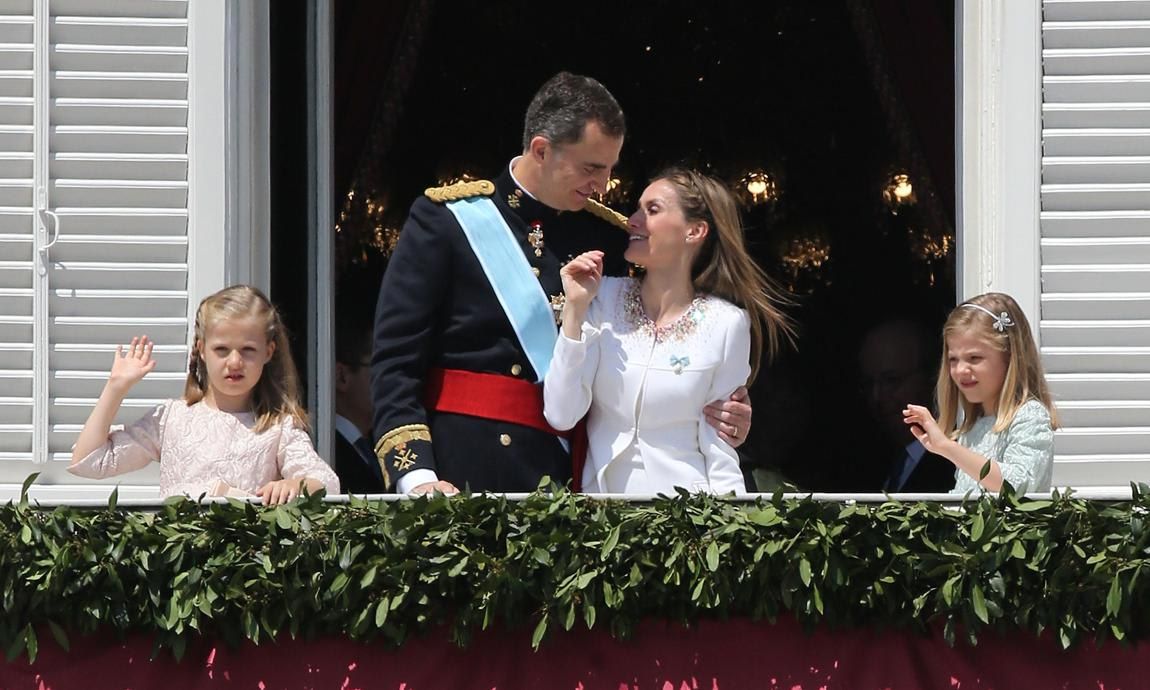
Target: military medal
557,302
536,237
513,198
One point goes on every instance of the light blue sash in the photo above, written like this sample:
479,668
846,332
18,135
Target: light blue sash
509,274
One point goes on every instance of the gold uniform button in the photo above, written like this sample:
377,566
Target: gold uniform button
505,439
516,369
535,271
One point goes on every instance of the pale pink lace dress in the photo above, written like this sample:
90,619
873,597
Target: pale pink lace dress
198,447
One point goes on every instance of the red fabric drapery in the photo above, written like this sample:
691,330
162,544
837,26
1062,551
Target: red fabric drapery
715,655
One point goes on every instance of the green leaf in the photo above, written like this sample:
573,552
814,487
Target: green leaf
114,498
16,647
589,615
713,557
984,471
540,631
60,636
1017,550
978,601
609,545
1114,597
283,519
368,577
805,571
28,482
179,646
31,643
339,583
977,526
766,517
381,611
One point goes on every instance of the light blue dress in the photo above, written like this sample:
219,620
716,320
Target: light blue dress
1024,450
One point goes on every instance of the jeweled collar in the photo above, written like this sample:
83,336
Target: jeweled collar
680,329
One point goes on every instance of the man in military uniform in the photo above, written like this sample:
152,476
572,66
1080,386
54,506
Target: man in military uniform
466,321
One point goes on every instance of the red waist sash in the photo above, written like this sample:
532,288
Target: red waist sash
502,399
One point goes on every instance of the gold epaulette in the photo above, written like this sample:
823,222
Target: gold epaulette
459,190
608,214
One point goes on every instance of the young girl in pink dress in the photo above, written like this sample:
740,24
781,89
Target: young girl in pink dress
239,429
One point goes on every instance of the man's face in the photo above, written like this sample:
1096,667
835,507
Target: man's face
891,377
571,173
353,392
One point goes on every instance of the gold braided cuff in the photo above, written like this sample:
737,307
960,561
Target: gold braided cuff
400,436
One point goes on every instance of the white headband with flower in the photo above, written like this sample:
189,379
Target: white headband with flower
1001,321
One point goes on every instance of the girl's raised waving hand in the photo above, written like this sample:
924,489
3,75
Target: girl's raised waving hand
128,368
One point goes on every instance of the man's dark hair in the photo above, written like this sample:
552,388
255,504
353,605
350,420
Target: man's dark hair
565,104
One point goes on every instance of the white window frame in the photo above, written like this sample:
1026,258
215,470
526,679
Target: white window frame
207,152
999,128
245,176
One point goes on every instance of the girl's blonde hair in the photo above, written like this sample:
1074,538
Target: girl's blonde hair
1010,334
724,268
276,394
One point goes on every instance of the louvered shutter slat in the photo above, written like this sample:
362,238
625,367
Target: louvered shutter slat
1096,169
171,9
1095,10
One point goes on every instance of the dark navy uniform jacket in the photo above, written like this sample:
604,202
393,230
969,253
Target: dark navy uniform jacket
437,309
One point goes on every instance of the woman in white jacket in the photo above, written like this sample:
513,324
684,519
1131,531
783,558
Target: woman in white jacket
644,355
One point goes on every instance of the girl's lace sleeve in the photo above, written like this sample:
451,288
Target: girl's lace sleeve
128,448
298,459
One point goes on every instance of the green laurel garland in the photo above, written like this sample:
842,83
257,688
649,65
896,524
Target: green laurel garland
557,560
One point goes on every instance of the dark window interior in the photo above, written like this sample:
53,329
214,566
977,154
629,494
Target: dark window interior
827,102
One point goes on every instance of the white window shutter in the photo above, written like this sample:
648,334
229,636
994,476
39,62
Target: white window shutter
94,112
1095,226
119,184
17,240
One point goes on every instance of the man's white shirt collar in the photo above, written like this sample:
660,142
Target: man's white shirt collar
511,169
349,431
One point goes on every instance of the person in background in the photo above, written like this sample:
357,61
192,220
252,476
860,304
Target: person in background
355,460
896,366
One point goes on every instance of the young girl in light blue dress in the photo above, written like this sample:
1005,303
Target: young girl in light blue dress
992,373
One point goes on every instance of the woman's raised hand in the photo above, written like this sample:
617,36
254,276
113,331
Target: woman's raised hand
581,278
131,366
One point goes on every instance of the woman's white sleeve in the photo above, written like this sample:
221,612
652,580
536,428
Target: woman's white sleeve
567,385
723,472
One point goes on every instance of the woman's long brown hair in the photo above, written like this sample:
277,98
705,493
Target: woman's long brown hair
724,268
